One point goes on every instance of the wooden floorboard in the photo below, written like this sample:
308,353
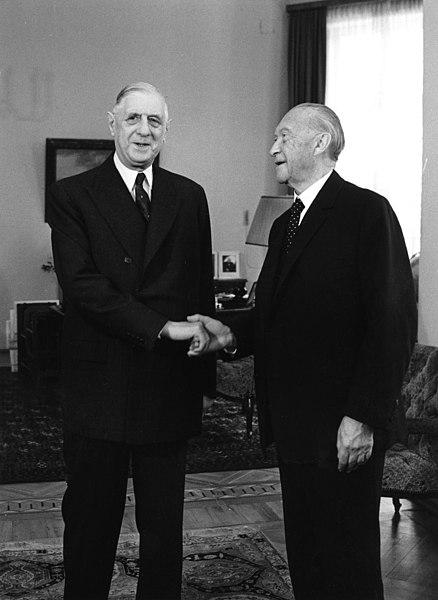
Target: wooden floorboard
31,512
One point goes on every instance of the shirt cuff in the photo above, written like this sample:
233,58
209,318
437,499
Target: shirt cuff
230,352
231,349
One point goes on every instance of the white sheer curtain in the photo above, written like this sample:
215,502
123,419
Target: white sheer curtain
374,84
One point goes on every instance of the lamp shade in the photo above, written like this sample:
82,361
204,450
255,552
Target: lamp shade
268,209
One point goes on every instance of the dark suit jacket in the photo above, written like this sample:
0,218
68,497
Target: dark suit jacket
120,285
335,322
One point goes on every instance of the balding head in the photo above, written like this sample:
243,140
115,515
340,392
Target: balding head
320,118
308,141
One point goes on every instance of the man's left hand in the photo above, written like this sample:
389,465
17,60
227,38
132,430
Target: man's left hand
355,444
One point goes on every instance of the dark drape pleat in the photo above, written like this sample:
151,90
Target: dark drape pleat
307,55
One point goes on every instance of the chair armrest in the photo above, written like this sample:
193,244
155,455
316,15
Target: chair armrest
422,426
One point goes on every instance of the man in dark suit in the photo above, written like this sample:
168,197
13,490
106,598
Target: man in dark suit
332,330
132,251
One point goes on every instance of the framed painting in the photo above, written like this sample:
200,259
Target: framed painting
66,157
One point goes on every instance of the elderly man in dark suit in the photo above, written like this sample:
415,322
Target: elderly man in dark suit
332,330
132,251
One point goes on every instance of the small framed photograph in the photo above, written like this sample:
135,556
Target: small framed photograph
228,267
214,262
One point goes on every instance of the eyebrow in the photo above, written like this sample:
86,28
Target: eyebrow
137,114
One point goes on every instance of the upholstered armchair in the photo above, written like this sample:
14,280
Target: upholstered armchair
411,464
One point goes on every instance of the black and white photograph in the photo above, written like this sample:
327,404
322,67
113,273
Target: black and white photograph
229,267
219,300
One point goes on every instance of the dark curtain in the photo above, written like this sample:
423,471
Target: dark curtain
307,55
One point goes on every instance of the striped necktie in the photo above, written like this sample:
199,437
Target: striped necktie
142,200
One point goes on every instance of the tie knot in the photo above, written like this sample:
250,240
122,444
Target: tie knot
298,205
140,178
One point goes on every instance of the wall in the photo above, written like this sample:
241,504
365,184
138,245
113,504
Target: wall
220,63
428,283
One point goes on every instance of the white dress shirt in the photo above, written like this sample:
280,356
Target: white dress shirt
309,195
129,176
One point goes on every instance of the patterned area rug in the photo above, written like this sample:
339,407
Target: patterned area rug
31,433
219,564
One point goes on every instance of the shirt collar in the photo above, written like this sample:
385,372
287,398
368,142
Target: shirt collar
129,175
309,195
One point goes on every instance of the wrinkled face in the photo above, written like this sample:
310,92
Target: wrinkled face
293,150
139,127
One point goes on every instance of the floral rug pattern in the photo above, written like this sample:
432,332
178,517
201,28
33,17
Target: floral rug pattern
219,564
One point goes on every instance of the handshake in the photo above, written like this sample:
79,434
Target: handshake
205,334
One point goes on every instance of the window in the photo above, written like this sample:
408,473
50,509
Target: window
374,83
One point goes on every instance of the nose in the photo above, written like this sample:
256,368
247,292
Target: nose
143,126
274,148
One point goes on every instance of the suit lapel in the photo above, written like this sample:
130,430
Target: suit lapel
312,221
117,207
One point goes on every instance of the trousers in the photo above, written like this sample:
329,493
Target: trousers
93,507
332,530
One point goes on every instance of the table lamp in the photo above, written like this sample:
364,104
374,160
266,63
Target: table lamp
268,209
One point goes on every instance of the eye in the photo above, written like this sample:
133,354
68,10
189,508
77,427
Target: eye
154,122
134,118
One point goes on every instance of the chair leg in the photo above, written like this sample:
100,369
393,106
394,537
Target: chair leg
397,504
249,415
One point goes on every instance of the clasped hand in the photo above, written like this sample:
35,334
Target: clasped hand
205,334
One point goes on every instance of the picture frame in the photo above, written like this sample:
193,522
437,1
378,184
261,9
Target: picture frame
214,262
228,264
69,156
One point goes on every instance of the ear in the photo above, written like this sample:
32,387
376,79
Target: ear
111,120
322,142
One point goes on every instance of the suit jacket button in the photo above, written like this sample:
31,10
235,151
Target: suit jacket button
128,260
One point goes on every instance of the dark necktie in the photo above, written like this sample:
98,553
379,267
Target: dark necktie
292,225
142,199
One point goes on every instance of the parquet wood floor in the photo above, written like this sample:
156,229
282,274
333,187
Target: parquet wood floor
409,542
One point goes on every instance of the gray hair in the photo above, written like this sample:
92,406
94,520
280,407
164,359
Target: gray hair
141,86
321,118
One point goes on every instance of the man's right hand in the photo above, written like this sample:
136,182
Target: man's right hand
221,335
184,330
